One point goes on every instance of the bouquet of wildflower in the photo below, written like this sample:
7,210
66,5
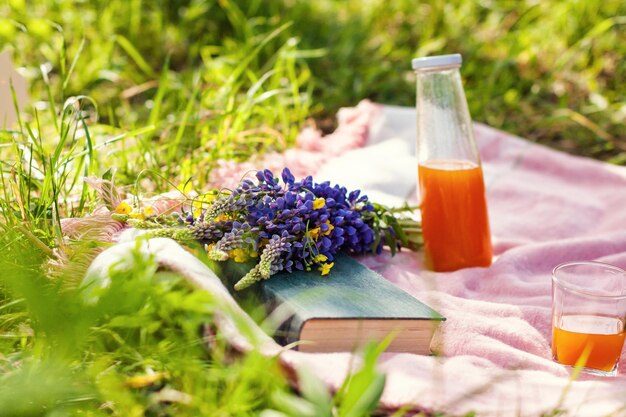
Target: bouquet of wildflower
296,225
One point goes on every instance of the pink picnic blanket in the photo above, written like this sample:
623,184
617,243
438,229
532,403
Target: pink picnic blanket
545,208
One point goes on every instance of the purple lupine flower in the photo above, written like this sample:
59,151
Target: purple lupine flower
209,232
240,236
295,225
272,261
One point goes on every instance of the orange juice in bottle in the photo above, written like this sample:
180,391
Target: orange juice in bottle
455,222
454,215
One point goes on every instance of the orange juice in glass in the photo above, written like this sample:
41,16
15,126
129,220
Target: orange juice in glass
455,222
588,314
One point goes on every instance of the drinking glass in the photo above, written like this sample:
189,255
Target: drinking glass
588,314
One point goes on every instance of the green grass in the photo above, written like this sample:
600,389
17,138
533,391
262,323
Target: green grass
547,71
135,351
161,90
140,347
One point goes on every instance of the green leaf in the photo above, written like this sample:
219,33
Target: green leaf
293,405
376,242
314,390
361,392
135,55
108,174
364,397
391,242
272,413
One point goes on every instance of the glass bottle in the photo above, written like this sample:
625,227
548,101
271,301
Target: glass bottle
453,204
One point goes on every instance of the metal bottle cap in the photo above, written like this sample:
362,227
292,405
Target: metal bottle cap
436,61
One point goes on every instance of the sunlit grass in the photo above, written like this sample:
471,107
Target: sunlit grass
548,71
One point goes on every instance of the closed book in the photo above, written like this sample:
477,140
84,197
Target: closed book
351,306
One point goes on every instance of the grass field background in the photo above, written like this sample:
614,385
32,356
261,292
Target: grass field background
160,90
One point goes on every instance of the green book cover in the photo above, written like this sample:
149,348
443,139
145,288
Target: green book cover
338,312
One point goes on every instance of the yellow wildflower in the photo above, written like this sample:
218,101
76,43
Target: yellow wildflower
148,211
320,258
185,188
325,268
221,218
135,215
123,208
330,228
207,197
318,203
313,233
140,381
204,200
238,255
